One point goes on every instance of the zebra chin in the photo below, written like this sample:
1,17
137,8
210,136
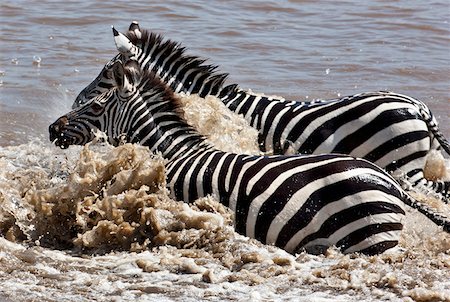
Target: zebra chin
63,141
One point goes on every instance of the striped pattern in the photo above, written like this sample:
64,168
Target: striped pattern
391,130
394,131
165,58
294,202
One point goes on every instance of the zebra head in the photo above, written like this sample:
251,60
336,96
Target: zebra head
163,57
119,112
104,81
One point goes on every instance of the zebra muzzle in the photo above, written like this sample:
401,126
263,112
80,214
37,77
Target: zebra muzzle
56,131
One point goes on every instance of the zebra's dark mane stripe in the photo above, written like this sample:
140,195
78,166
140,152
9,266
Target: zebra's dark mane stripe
149,83
159,46
152,88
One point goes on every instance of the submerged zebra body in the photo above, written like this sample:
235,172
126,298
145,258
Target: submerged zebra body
391,130
295,202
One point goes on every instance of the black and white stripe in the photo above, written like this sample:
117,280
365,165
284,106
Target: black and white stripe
391,130
165,58
295,202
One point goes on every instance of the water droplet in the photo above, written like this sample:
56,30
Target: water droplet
37,61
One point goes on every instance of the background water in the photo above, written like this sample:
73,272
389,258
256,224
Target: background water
50,50
296,49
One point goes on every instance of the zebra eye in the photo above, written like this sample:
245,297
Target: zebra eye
96,106
107,74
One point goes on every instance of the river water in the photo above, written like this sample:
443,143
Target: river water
301,50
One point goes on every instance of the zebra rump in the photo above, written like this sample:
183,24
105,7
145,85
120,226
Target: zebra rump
294,202
392,130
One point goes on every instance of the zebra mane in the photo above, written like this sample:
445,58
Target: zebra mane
151,85
164,48
152,89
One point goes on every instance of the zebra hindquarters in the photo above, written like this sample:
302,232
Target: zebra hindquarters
385,128
344,202
368,222
392,135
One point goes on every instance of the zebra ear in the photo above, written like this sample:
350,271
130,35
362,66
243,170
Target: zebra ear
134,27
118,72
123,44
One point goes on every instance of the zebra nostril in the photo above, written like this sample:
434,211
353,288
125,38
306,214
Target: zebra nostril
62,122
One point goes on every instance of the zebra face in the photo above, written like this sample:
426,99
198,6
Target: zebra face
107,112
78,126
102,83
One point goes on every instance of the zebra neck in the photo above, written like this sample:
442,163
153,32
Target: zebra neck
172,139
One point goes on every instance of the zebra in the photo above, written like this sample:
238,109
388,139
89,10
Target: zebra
295,202
394,131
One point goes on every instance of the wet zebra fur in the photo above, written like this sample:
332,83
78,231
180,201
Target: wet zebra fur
394,131
295,202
